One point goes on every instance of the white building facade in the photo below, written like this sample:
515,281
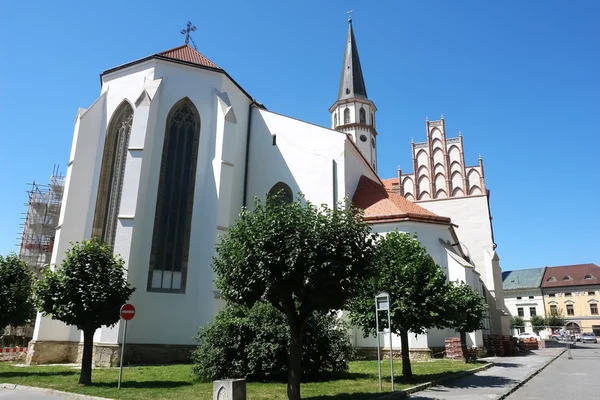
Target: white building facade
163,161
523,295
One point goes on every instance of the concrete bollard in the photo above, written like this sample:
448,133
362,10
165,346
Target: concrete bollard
229,389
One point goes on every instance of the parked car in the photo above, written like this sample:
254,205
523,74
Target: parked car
527,335
588,337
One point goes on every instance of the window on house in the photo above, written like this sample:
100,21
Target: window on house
551,294
588,277
551,279
591,293
280,192
570,310
362,116
520,312
175,200
519,297
567,293
594,309
532,311
112,171
373,142
567,278
553,309
531,297
372,119
346,115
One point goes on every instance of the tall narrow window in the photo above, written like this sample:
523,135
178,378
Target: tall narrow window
346,115
520,312
335,120
532,311
553,309
112,171
372,119
570,310
594,309
175,200
362,116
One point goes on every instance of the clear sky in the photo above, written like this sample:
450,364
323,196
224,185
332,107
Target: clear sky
519,79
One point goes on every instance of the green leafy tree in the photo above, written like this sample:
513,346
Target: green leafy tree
466,311
300,258
416,285
253,343
517,323
16,306
87,291
556,319
538,323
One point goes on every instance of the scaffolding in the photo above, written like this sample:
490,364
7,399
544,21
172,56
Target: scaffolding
40,222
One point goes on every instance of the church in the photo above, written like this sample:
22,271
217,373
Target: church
163,161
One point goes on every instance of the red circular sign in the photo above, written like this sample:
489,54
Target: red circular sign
127,311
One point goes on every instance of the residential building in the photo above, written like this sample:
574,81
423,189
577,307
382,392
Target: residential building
575,290
523,294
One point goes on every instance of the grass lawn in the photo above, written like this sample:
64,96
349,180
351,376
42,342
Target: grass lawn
175,381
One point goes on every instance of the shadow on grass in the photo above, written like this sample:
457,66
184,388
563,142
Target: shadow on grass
28,373
143,384
337,376
351,396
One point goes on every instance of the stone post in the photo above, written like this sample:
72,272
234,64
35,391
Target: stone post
229,389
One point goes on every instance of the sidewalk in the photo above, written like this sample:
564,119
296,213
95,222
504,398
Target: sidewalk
492,383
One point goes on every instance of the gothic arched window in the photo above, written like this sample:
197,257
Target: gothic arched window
346,115
335,120
362,116
175,200
280,192
112,171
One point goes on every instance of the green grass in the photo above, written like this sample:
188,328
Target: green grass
175,381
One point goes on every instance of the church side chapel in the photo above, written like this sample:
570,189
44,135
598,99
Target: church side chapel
163,161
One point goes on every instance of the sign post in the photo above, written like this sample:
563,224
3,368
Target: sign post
127,313
382,303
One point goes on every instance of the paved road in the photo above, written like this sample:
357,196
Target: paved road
26,395
491,383
566,379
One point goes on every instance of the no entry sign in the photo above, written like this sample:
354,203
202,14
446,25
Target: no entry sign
127,311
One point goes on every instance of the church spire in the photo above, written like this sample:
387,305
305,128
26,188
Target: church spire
352,83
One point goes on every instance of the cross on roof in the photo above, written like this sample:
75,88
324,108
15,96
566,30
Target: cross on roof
349,12
186,32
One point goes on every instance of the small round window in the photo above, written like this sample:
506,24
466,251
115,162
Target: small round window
363,138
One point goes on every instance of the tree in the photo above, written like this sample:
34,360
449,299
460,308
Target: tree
556,319
87,291
416,285
252,343
298,257
517,323
537,323
16,306
467,310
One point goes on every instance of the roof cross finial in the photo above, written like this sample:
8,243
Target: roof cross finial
186,32
349,12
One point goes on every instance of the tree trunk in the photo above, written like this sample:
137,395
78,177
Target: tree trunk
406,369
463,345
295,361
85,378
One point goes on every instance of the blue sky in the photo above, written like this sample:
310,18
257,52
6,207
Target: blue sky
519,79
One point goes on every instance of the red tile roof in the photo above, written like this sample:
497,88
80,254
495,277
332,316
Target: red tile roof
576,274
389,182
383,205
187,54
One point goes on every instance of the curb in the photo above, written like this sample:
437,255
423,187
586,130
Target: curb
404,393
528,377
66,395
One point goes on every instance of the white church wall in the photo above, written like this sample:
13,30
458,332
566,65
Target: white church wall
158,312
356,166
302,157
89,128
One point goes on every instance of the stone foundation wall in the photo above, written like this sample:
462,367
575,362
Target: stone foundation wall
108,355
370,353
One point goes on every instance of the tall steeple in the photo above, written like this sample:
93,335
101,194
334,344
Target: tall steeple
353,113
352,83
